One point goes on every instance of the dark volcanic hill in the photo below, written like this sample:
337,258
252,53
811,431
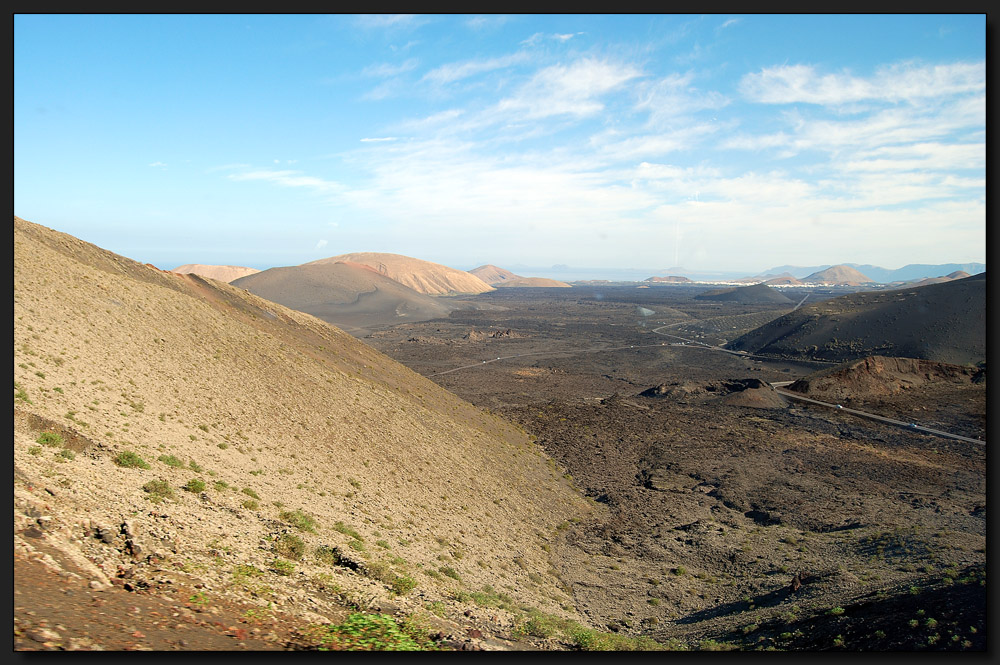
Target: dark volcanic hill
669,279
943,322
348,295
757,293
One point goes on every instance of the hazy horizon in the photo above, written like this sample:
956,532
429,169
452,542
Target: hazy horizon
721,143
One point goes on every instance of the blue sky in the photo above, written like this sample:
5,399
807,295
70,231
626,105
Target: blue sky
711,142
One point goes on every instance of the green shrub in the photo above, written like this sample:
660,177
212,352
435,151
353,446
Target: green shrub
347,531
402,585
195,485
158,490
450,572
250,504
170,460
51,439
130,460
299,520
65,454
250,493
283,567
372,632
327,555
289,546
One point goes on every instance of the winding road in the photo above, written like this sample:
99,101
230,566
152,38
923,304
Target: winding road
694,344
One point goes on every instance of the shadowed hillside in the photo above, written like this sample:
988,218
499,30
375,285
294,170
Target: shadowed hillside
170,425
943,322
348,295
757,293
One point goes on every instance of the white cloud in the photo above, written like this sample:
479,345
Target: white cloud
386,69
321,244
388,20
381,139
289,179
789,84
452,72
155,164
573,89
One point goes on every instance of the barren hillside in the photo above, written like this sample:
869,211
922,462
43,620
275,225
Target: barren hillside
943,322
221,273
838,275
348,295
493,275
421,276
168,424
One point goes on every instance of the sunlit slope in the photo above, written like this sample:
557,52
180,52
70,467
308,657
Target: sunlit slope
256,395
942,322
221,273
419,275
348,295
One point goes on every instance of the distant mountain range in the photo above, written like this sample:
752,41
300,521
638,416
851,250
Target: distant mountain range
884,275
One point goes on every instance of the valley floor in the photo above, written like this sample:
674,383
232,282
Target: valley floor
736,518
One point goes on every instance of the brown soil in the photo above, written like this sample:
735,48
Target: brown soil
716,504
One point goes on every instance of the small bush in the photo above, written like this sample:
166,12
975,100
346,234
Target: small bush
170,460
250,504
65,454
299,520
195,485
51,439
347,531
158,490
130,460
372,632
250,493
283,567
327,555
289,546
402,585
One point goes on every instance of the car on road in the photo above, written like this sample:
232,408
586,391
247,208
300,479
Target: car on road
839,406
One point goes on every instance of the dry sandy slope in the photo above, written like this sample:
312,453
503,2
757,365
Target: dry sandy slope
493,275
419,275
221,273
838,275
246,393
348,295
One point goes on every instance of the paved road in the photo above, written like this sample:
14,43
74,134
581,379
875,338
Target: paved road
693,344
871,416
597,349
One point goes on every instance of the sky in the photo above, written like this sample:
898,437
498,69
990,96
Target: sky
594,142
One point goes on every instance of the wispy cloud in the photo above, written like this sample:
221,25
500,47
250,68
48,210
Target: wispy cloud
451,72
380,139
573,89
289,179
385,69
388,20
789,84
